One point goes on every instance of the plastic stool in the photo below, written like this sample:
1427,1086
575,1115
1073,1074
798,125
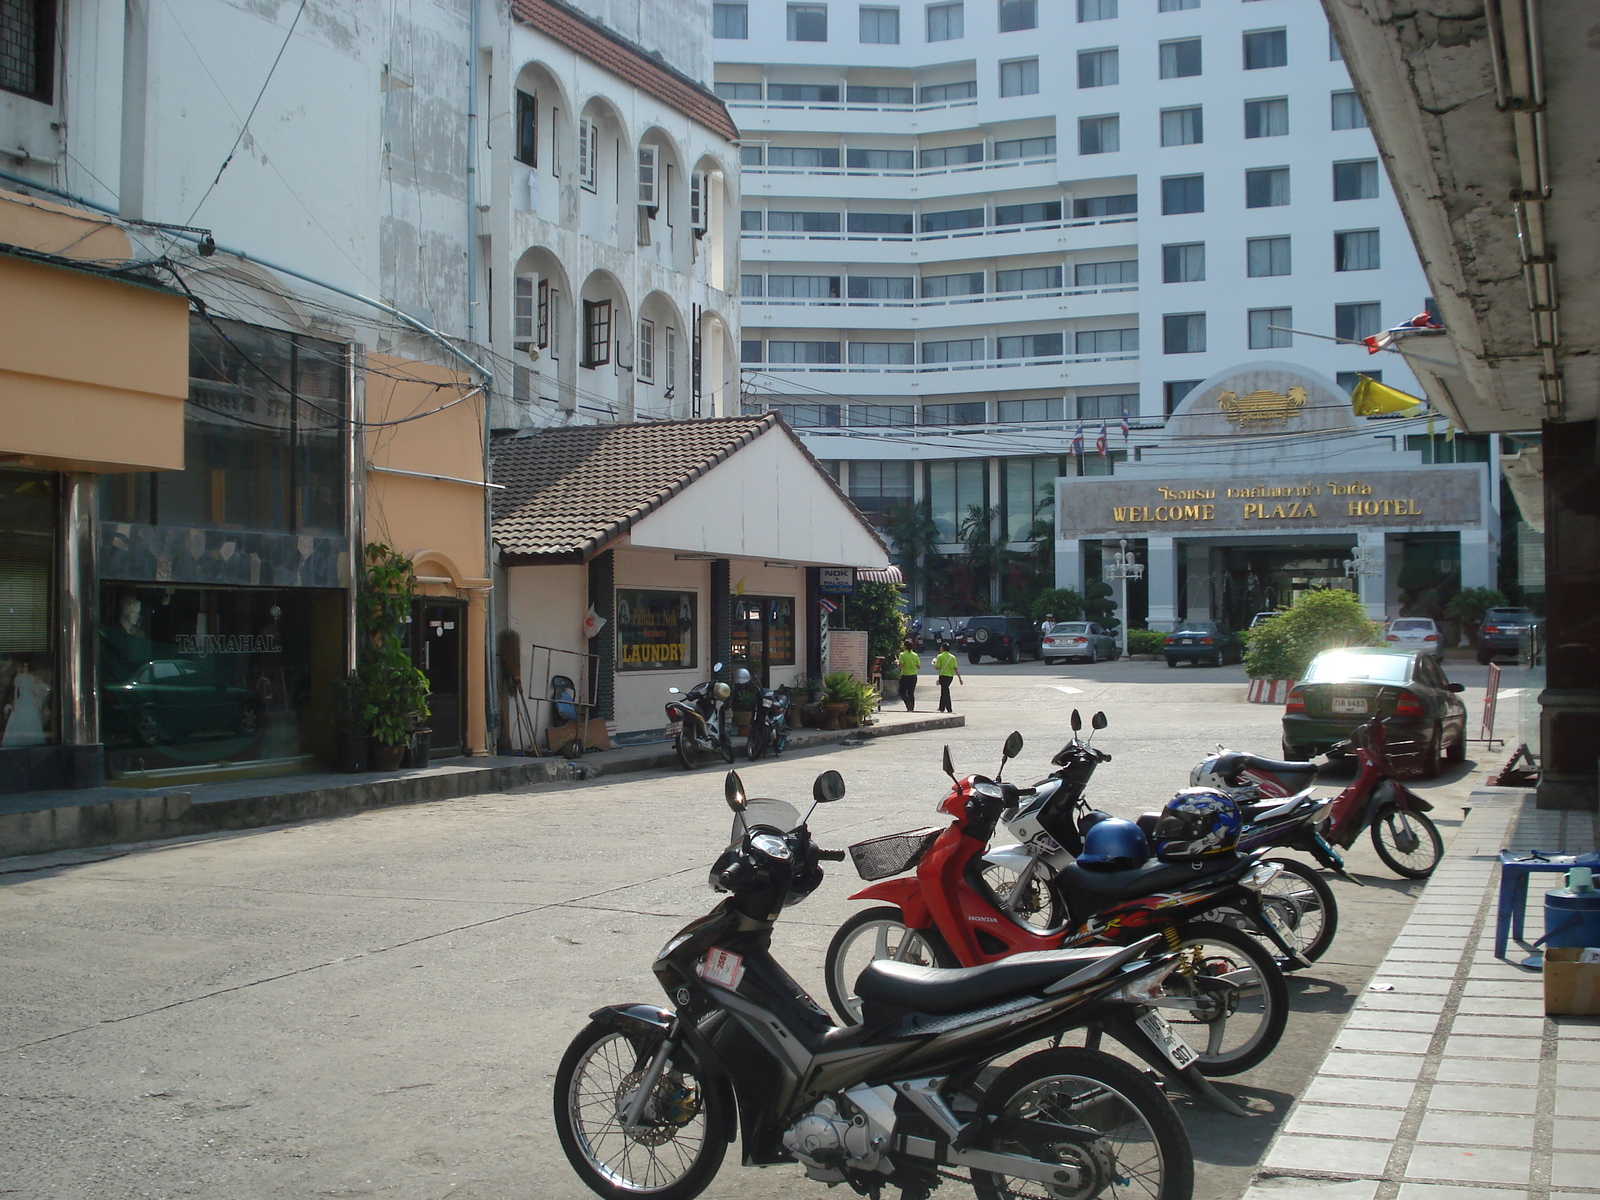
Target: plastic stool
1515,867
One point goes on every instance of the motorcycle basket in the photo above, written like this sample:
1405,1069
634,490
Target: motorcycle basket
879,858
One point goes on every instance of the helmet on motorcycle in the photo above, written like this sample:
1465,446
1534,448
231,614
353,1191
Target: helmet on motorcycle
1114,845
721,690
1198,822
741,677
1207,774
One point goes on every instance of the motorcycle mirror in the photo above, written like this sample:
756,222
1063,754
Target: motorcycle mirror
828,787
672,691
949,767
1013,746
716,668
1099,721
733,790
1077,721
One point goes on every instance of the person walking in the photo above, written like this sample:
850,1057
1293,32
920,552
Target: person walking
944,666
910,664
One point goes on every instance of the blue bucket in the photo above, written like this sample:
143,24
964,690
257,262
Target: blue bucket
1571,918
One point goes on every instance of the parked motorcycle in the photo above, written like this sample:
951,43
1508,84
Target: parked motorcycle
646,1097
1405,838
1233,995
769,724
701,723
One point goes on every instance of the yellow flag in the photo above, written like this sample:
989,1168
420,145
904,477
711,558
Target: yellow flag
1371,398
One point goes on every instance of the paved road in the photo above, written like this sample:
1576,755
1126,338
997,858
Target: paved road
374,1006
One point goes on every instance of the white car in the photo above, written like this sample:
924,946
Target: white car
1414,633
1078,639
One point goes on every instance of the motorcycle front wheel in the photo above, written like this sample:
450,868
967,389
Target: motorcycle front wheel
1125,1138
872,934
756,744
1408,842
1241,1002
682,1133
1303,901
688,752
1038,907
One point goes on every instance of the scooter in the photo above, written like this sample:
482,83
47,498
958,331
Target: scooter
946,914
769,724
647,1099
699,724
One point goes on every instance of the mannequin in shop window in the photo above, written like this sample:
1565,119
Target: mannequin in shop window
24,709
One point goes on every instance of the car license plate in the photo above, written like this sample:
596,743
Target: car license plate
1349,704
1185,641
1179,1052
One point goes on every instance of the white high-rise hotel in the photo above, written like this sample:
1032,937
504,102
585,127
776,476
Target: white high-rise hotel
970,227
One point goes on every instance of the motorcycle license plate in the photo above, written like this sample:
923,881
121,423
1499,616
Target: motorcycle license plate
1178,1052
674,728
1349,704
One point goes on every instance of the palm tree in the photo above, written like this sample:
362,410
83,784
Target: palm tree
915,538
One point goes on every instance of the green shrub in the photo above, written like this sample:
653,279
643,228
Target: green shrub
1325,619
1064,603
1145,641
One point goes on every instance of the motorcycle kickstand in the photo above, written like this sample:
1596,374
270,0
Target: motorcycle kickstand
1198,1084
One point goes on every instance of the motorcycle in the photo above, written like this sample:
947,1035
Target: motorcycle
769,724
701,723
1405,838
1233,995
647,1099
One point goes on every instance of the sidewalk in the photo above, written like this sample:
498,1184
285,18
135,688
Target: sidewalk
1448,1082
46,822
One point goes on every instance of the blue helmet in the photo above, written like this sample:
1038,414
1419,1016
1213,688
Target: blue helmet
1199,822
1114,845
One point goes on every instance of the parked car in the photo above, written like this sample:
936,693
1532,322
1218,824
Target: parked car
173,698
1343,688
1004,639
1502,631
1084,640
1415,633
1202,642
1260,617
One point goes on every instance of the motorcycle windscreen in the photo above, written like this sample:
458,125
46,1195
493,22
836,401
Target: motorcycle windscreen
777,813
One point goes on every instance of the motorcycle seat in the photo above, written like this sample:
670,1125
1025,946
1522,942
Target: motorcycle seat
1296,774
952,989
1152,877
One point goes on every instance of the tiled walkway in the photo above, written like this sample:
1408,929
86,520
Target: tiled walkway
1448,1082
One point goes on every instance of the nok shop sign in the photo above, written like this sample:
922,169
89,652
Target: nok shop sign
1437,496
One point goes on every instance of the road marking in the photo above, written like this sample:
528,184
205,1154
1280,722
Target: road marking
1061,687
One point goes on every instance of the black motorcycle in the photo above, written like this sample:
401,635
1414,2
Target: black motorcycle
647,1099
701,723
769,724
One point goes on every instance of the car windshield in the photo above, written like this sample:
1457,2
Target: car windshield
1337,666
1069,627
1403,625
1511,616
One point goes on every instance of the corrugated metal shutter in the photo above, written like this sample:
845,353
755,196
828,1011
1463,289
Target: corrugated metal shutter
26,562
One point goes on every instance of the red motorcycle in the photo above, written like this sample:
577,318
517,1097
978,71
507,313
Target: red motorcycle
1230,995
1405,838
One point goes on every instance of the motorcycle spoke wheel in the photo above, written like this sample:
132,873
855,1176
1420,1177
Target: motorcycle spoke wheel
688,752
870,935
1241,999
1037,908
1305,904
1141,1151
756,745
1408,842
682,1134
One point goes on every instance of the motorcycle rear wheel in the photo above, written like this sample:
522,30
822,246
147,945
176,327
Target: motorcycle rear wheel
683,1134
872,934
1305,902
1408,842
1244,1021
688,752
756,744
1143,1152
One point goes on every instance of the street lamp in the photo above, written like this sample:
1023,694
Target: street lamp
1123,568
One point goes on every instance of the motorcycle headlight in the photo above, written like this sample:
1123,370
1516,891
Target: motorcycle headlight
1260,875
772,846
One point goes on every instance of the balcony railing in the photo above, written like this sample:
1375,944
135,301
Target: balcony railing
976,364
852,106
932,302
914,173
940,236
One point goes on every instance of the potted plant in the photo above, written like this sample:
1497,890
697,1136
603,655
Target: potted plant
350,723
395,693
863,703
838,690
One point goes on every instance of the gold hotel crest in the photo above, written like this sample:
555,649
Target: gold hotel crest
1262,408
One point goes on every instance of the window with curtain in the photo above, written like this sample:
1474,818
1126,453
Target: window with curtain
1352,322
945,22
883,354
881,287
1099,135
952,156
730,21
881,223
1266,48
1107,341
1019,77
1173,392
1347,111
1266,118
1180,58
808,22
527,151
1356,250
944,93
1183,263
806,353
1097,10
969,412
953,487
803,156
1269,328
1177,5
1266,188
804,93
803,222
738,91
1182,126
953,350
1030,147
880,26
1018,14
881,415
1106,206
1355,180
1047,409
1183,194
1267,256
967,283
1029,345
962,218
1028,279
1106,274
1027,214
880,160
1183,333
1110,407
861,94
1097,68
803,287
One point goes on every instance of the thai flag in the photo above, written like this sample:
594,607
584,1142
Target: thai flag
1100,442
1077,441
827,606
1124,430
1382,341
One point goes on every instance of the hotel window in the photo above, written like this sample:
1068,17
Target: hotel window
1184,263
647,351
1183,333
28,48
952,156
1048,409
881,415
1030,485
1018,14
750,287
1183,194
971,412
752,156
953,350
1099,135
806,416
1266,188
893,224
1029,345
803,287
1096,10
1267,256
738,91
1036,213
1348,380
1269,328
1177,5
1105,206
1028,279
880,26
881,287
954,487
596,332
730,21
1355,180
808,22
859,94
945,22
804,93
1266,48
1356,250
802,222
1105,274
1180,59
805,353
750,220
824,157
1106,341
962,218
968,283
1353,322
1097,68
943,93
750,350
1031,147
883,354
1107,408
1335,54
881,160
1182,126
1020,77
1173,392
877,487
527,129
1347,111
1266,118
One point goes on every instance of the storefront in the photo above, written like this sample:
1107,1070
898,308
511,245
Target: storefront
29,502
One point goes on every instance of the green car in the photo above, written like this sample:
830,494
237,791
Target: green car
172,698
1343,688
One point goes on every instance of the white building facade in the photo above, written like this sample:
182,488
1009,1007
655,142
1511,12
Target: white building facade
972,230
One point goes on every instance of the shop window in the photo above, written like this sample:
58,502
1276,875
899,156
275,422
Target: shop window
953,487
27,618
28,48
596,332
656,631
762,634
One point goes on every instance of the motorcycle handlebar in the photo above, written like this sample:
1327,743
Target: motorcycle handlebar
831,855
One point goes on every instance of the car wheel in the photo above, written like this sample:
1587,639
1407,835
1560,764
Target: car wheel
974,657
1295,754
1172,662
1050,662
1458,752
1483,659
1094,657
1015,656
147,727
1432,763
249,721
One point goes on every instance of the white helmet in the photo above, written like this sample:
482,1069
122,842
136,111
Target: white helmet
1207,773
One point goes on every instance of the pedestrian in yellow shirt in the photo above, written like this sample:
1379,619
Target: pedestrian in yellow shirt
944,666
910,664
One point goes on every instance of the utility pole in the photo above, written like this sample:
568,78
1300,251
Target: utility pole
1123,568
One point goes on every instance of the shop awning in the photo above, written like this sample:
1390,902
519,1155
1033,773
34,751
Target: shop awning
890,574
